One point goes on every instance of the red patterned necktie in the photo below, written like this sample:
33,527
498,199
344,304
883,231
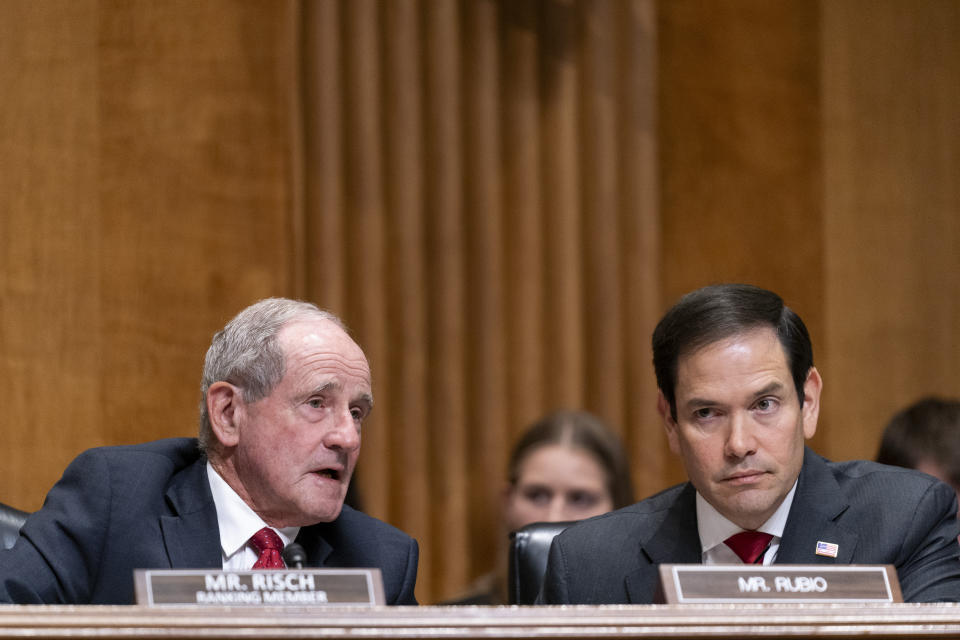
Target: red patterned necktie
749,545
268,544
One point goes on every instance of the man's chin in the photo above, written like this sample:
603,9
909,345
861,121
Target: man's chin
748,507
752,516
326,513
311,514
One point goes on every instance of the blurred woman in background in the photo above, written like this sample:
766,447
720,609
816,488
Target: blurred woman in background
567,466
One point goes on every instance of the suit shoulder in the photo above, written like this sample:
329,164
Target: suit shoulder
173,452
868,472
623,522
873,483
354,522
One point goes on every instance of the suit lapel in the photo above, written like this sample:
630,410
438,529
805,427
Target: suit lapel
318,550
815,517
191,534
676,541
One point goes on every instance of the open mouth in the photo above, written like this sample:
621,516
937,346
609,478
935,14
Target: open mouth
332,474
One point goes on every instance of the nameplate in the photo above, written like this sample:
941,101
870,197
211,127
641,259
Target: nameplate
266,587
697,583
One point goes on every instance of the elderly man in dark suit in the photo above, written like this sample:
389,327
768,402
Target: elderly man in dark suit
739,395
285,391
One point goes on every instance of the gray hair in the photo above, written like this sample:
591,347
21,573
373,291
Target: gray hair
245,353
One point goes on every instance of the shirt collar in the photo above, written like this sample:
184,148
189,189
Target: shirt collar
237,521
714,528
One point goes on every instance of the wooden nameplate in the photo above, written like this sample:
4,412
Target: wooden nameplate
720,583
264,587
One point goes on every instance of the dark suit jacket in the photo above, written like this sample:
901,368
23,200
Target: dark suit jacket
876,515
149,506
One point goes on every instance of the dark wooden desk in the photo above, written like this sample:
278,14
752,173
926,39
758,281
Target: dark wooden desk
488,623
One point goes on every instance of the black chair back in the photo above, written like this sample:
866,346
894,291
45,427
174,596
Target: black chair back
529,548
10,522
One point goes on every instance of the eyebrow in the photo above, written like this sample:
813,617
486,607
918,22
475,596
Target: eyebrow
773,387
326,387
767,390
365,398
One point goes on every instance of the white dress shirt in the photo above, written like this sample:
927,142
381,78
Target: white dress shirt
714,529
238,522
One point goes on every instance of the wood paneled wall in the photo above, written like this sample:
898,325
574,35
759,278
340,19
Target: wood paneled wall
740,140
147,194
489,168
500,198
891,210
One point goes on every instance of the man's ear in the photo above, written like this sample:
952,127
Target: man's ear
669,424
811,402
224,404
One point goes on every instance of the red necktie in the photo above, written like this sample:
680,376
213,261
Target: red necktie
749,545
268,544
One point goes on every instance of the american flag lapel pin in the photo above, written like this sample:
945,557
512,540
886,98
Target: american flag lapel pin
827,549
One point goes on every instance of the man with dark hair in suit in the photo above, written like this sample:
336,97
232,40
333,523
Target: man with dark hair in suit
285,391
739,395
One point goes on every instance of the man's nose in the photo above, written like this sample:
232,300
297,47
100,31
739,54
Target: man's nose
344,433
740,439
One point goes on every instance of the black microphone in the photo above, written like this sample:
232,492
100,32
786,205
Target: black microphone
294,555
